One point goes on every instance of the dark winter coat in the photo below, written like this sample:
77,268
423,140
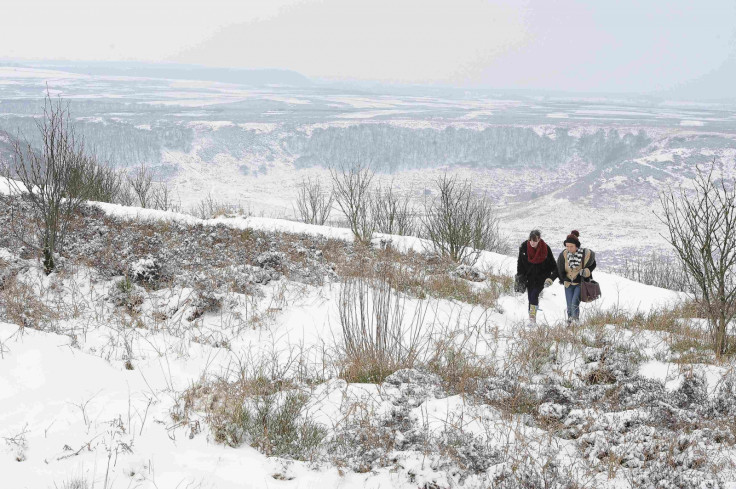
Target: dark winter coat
573,277
536,273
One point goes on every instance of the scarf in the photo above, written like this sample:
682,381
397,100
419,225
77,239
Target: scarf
536,255
575,259
574,265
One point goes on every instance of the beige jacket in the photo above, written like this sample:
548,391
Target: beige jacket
573,276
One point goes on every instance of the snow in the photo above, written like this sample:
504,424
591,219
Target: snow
262,127
82,397
212,125
288,100
690,123
369,114
667,373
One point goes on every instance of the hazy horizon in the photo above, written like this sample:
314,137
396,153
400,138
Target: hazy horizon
673,48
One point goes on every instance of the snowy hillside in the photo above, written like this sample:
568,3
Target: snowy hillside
171,352
602,160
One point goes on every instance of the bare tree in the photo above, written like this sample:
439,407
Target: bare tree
313,202
351,188
141,182
460,224
161,197
51,179
392,212
126,196
702,229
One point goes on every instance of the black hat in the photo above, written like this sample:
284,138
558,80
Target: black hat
573,238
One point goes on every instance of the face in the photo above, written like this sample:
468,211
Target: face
534,242
571,248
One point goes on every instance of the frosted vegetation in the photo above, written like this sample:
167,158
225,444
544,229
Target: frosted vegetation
205,353
379,342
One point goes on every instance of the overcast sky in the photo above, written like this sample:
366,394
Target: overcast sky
598,45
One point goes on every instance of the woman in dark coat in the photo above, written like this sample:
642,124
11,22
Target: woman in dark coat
574,266
537,267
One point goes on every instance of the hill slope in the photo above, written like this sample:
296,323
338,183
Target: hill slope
173,352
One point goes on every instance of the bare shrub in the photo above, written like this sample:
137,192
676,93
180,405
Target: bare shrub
313,202
702,229
460,224
51,179
101,182
392,212
657,269
351,187
377,338
208,208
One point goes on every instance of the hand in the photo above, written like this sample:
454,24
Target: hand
548,282
585,273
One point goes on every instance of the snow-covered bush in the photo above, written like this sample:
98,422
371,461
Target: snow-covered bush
468,272
146,271
124,293
205,300
272,260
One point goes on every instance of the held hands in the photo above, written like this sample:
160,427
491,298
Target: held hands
547,283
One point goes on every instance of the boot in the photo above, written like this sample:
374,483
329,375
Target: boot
532,315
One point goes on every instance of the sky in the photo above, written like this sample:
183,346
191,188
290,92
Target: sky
572,45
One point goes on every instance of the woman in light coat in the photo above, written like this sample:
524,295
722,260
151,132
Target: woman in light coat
574,265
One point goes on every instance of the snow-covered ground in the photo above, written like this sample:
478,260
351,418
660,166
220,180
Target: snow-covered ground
107,383
96,394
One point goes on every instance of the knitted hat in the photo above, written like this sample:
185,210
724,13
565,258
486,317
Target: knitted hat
573,238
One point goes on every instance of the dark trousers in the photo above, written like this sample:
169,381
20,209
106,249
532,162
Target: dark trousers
533,294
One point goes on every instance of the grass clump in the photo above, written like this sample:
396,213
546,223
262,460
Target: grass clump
74,483
19,304
264,413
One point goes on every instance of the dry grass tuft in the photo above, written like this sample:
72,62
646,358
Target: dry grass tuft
20,305
266,413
